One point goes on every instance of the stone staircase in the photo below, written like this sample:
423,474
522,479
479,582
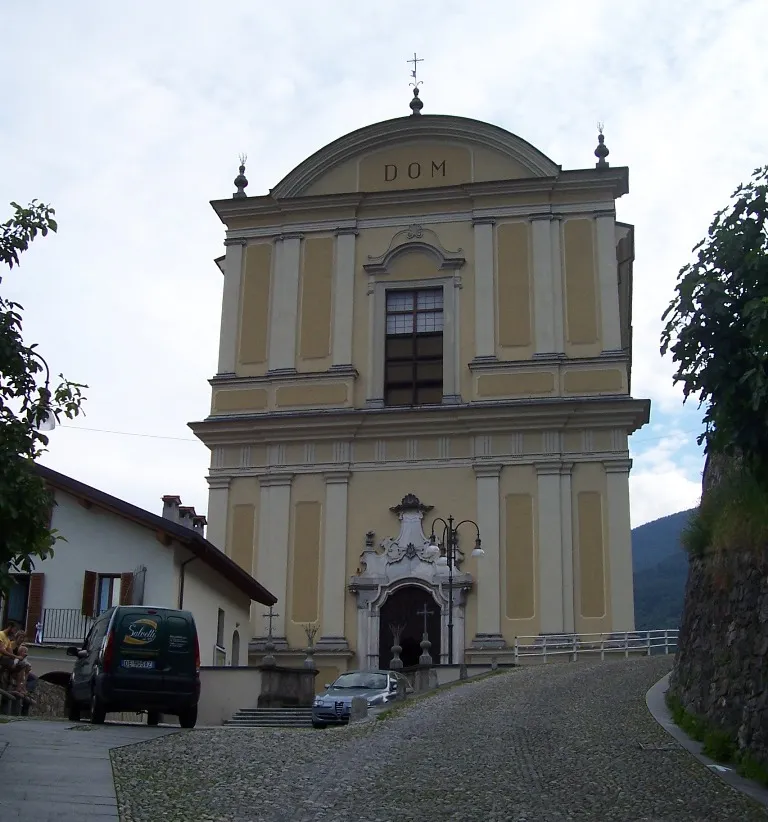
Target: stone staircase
271,718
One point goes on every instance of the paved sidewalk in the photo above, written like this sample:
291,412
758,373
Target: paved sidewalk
658,708
58,771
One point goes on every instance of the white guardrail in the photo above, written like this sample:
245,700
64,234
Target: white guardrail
627,642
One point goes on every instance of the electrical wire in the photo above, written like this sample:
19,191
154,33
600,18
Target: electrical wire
633,441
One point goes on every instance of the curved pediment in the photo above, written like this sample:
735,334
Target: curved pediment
416,152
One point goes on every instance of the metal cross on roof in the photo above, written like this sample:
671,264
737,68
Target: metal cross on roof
271,616
424,612
415,60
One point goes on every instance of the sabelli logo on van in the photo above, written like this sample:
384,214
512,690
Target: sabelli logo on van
141,632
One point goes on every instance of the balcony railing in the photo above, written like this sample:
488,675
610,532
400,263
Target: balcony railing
64,626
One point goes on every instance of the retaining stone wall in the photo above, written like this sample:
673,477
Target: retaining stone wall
721,670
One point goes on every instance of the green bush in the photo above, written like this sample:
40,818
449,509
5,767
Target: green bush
732,516
719,745
750,768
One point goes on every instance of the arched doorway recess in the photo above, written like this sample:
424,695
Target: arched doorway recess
405,608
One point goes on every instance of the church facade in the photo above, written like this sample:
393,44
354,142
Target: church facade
426,318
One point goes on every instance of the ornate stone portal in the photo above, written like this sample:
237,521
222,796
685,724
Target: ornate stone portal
406,561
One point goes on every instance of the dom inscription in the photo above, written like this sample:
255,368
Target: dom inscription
413,170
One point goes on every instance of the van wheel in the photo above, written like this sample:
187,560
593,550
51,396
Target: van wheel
188,717
153,717
73,709
98,711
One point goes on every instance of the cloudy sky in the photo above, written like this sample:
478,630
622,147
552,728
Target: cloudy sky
129,120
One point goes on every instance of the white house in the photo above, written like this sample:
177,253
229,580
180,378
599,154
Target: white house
118,554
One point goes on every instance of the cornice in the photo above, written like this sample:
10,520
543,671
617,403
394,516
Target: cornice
467,419
462,197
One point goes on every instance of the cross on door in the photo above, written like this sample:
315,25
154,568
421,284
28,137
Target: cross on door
424,612
270,616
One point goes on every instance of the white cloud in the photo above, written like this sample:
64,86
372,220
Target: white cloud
665,477
130,121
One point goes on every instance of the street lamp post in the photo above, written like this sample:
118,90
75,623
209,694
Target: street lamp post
48,422
450,539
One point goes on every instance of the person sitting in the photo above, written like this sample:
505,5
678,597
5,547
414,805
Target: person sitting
25,669
9,661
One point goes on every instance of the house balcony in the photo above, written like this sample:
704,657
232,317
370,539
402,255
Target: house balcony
63,626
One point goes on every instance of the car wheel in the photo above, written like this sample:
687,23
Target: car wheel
98,711
153,717
188,717
73,709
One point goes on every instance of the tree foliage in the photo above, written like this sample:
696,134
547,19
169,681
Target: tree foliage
26,400
717,327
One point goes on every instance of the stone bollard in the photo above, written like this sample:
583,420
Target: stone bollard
463,671
358,710
494,663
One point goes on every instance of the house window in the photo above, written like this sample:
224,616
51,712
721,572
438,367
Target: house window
413,369
15,603
220,629
107,592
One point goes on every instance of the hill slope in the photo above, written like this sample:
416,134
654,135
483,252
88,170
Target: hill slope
660,571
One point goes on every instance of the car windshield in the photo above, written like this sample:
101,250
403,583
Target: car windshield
361,679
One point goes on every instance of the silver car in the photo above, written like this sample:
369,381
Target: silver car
378,687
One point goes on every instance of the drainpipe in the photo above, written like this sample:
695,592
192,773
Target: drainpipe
181,580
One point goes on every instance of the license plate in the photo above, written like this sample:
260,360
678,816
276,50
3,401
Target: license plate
145,664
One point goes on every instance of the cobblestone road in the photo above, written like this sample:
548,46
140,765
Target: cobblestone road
554,743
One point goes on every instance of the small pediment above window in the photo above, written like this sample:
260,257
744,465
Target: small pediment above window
415,239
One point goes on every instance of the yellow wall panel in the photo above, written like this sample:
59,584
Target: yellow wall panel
306,562
316,298
243,528
523,384
239,399
580,286
593,381
520,574
304,395
591,554
514,285
254,315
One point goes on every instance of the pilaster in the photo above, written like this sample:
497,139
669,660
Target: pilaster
608,278
343,294
550,541
620,545
334,562
556,247
543,285
230,306
488,576
274,530
485,304
218,507
284,314
566,518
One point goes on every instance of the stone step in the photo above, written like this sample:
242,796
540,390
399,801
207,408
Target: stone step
268,723
275,711
271,718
